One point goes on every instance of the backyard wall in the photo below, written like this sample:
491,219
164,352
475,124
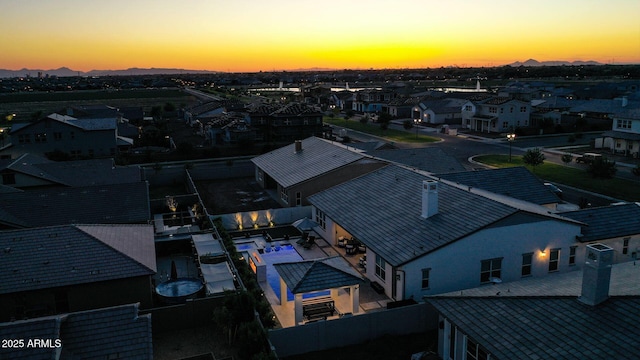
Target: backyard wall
194,313
352,330
282,216
170,173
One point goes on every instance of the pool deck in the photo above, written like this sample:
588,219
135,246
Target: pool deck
369,299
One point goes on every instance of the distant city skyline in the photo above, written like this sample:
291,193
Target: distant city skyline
247,36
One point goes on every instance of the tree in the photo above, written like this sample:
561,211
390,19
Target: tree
602,168
533,157
567,158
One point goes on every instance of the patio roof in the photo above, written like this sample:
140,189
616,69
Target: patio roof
316,275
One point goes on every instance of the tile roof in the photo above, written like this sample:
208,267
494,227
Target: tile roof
431,159
89,334
105,204
608,221
74,173
315,275
318,156
547,328
49,257
516,182
382,209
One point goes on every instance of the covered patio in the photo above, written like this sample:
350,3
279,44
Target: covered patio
328,280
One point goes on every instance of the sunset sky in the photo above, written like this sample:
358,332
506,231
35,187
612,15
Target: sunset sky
252,35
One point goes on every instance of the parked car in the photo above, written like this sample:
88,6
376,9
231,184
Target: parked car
554,189
588,158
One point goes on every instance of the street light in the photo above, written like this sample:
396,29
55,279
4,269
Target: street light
510,138
415,122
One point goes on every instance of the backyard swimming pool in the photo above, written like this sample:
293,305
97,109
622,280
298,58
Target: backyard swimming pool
277,254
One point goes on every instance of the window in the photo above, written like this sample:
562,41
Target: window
554,259
475,351
75,153
298,198
523,109
24,139
283,194
320,218
572,255
511,109
380,267
490,269
41,137
526,264
625,246
505,125
468,108
623,124
72,135
493,109
501,110
425,278
57,136
305,121
8,178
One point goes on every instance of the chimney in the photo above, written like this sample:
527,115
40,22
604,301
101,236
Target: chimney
596,275
298,146
429,198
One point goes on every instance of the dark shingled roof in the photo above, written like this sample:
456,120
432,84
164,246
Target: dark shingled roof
106,204
116,331
382,209
314,275
547,327
317,157
49,257
608,221
516,182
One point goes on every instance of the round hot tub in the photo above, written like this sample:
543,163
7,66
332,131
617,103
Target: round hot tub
178,290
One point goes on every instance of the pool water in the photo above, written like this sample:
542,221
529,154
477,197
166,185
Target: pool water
286,254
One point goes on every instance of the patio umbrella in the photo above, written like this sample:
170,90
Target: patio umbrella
305,224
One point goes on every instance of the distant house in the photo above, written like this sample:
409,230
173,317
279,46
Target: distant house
59,269
589,314
78,138
203,111
616,226
285,122
342,99
515,182
118,332
488,113
29,171
373,101
425,236
126,203
624,137
439,111
301,169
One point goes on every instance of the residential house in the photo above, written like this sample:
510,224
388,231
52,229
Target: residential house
425,236
285,122
439,111
228,128
516,182
202,112
589,314
342,99
624,137
68,268
30,171
118,332
307,166
616,226
488,113
126,203
373,101
79,138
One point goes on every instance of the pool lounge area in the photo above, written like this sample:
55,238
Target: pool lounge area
268,253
